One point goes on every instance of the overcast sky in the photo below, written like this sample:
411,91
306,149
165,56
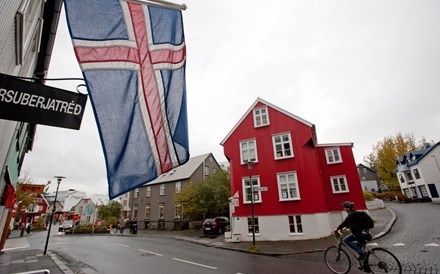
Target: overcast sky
358,70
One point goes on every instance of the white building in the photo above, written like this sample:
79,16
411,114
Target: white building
418,173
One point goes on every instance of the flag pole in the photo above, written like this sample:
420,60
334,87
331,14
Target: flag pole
162,3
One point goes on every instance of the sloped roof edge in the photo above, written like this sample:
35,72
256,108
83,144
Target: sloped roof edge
270,105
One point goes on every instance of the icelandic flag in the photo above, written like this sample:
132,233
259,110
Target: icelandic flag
133,57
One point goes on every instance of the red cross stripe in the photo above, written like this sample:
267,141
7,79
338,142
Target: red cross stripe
145,58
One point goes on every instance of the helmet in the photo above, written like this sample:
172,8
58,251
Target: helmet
348,204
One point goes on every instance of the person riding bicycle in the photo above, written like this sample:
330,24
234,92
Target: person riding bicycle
354,222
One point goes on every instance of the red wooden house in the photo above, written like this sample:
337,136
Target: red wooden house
298,184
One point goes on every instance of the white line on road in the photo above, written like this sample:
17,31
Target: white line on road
121,245
399,244
150,252
432,244
189,262
372,244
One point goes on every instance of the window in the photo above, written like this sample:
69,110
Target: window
423,191
339,184
247,190
178,187
410,178
178,211
136,193
124,203
295,224
147,211
206,170
288,186
416,173
256,226
261,117
148,191
248,151
161,211
402,180
162,190
282,146
333,155
135,212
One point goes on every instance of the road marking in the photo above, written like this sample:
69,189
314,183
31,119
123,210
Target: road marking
150,252
399,244
432,244
373,244
193,263
122,245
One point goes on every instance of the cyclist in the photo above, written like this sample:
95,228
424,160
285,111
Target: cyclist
354,223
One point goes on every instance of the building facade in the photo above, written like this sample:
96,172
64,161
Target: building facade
369,179
153,205
27,34
418,173
298,184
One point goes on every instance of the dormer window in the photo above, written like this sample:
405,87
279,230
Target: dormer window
261,117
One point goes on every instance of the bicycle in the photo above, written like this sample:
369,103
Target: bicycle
377,260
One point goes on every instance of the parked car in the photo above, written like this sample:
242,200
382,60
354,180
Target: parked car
217,225
67,224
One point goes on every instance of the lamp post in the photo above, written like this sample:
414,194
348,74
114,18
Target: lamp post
59,178
250,163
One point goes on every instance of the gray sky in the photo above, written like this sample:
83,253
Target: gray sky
358,70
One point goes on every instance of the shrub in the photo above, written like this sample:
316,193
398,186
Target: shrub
368,196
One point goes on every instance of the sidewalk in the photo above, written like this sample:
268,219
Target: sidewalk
17,256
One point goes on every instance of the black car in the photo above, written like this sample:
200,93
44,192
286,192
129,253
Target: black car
217,225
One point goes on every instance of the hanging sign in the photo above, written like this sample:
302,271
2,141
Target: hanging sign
30,102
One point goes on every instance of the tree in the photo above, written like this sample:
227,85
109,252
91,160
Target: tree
386,152
110,213
208,197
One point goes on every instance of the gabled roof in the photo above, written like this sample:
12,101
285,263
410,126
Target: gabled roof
259,100
364,166
414,157
182,172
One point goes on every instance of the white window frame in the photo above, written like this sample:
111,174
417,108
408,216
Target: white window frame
284,182
297,227
161,211
261,117
330,155
247,188
178,211
423,191
248,153
178,187
136,193
206,170
147,212
148,194
282,143
338,178
162,190
256,226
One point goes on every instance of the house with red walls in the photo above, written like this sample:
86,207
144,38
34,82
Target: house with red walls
298,184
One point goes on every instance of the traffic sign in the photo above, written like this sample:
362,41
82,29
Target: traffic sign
260,188
30,188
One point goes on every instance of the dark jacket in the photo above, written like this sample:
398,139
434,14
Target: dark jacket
353,222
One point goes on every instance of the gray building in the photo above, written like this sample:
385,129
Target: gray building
369,179
153,205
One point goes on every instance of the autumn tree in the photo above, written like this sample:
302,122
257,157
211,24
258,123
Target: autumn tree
110,213
206,198
386,152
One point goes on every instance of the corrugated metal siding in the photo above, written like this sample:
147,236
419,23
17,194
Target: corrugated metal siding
8,10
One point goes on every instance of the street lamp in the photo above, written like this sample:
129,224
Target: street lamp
250,163
59,178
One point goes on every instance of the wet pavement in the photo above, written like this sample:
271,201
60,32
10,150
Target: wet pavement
18,257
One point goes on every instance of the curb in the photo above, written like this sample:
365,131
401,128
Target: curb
387,227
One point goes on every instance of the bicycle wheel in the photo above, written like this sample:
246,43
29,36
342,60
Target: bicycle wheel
383,261
337,260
